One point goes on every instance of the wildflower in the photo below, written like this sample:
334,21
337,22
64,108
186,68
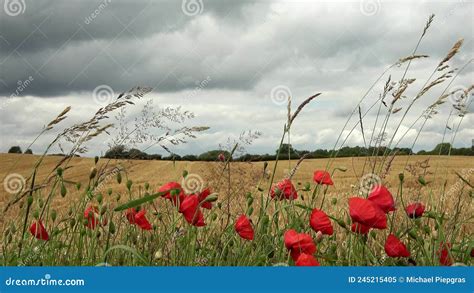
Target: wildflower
91,213
173,192
322,177
444,254
395,248
366,212
306,260
191,211
221,157
202,197
138,218
298,243
319,221
37,229
381,196
359,228
284,189
243,227
415,210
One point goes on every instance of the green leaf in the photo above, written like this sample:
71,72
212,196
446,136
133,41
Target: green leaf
140,201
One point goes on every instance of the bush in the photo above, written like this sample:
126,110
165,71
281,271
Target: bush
15,150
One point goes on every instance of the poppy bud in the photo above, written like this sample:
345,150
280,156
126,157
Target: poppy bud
53,215
40,202
129,184
334,201
78,185
59,171
250,211
93,173
118,197
72,222
185,173
412,233
109,191
401,177
211,198
307,186
422,180
63,190
249,201
111,227
119,178
147,186
29,200
36,214
214,217
99,198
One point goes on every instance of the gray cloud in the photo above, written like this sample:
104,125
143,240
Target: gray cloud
243,48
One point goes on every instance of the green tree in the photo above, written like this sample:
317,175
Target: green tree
15,150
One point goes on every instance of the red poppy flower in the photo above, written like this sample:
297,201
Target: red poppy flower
359,228
174,191
319,221
284,189
221,157
367,213
395,248
382,197
202,196
37,229
191,211
299,243
91,213
322,177
444,254
138,219
415,210
306,260
243,227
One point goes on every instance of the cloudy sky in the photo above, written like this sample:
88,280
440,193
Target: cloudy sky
229,62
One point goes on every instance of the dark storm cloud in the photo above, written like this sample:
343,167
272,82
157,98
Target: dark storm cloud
74,46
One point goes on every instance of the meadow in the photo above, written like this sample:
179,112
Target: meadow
382,209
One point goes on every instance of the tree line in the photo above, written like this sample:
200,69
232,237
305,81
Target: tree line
286,151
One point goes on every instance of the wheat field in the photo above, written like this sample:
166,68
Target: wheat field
439,170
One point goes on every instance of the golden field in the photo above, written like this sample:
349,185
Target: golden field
245,177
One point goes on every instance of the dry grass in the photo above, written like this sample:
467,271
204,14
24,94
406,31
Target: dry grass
245,176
